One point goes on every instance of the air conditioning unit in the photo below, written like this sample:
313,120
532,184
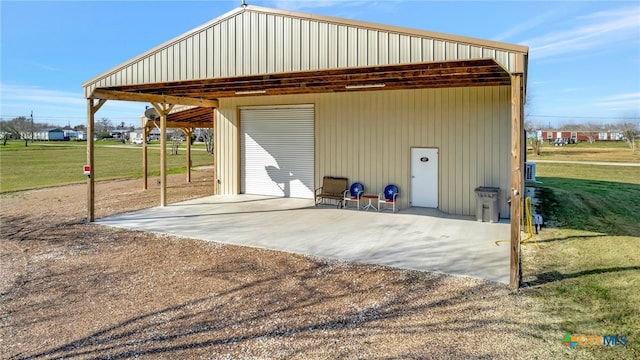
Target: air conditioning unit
530,171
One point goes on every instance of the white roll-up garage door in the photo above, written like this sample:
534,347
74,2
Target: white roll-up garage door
277,150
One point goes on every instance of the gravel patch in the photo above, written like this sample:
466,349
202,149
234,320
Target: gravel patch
70,289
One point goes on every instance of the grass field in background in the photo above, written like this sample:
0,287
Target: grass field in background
44,164
587,268
613,174
609,151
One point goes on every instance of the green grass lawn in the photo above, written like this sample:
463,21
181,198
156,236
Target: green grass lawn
587,268
44,164
609,151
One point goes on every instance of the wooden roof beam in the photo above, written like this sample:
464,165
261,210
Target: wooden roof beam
350,74
152,98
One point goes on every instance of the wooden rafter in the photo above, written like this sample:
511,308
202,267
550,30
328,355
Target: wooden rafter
462,73
107,94
190,118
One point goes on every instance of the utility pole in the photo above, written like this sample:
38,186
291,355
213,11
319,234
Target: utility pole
32,126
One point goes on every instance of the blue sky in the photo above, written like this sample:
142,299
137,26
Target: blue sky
584,63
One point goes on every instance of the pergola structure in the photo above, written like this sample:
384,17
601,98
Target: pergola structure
186,119
202,95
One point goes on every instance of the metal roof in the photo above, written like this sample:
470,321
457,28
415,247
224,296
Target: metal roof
255,50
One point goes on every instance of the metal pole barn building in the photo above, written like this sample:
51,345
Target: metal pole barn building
297,97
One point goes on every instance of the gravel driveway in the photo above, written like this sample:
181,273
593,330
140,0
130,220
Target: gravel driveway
83,291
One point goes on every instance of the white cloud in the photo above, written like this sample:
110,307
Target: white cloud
309,5
571,90
314,4
592,31
629,100
59,107
32,94
526,25
624,96
46,67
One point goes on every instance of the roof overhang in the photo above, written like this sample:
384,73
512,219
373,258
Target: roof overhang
202,95
205,92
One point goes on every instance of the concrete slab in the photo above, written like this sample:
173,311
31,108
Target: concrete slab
415,238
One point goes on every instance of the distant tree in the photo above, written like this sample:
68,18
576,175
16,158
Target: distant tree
531,128
176,139
5,131
103,128
630,131
80,127
207,137
18,128
591,130
571,127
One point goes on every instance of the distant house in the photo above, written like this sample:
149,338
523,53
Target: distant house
579,135
56,134
136,134
70,134
154,134
120,134
81,136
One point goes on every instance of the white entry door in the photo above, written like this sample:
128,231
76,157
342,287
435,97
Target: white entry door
424,177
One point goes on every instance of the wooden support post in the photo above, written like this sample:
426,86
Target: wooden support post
90,157
163,110
516,177
145,158
163,159
187,134
92,108
214,149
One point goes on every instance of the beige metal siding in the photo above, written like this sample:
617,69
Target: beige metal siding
250,43
368,136
227,150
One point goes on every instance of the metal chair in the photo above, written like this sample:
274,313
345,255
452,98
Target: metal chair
353,194
389,197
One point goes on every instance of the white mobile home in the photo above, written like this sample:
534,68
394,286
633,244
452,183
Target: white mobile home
49,135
